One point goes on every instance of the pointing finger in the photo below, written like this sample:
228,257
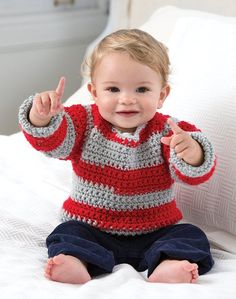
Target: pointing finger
60,87
38,104
174,127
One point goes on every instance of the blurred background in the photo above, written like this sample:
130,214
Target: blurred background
40,41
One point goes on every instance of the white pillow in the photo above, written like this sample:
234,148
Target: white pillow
202,49
163,21
203,55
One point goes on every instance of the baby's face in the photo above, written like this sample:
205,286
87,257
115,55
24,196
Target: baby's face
126,92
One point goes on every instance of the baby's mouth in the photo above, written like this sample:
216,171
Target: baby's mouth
127,113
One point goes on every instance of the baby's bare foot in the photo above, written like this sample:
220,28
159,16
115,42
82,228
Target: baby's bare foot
175,271
66,268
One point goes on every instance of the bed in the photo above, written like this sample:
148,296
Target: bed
202,48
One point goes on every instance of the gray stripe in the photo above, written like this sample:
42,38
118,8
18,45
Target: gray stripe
67,145
37,131
193,171
103,197
130,233
66,216
90,123
100,151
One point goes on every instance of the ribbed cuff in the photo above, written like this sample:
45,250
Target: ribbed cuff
31,129
195,171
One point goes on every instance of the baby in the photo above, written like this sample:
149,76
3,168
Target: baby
125,157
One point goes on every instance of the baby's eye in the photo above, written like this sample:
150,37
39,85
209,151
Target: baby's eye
142,89
113,89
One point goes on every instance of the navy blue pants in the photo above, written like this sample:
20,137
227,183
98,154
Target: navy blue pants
102,251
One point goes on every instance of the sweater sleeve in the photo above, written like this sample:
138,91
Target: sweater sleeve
62,137
182,171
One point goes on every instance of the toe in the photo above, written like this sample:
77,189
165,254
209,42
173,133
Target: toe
59,259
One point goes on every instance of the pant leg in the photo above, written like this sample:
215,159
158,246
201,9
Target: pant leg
181,242
80,240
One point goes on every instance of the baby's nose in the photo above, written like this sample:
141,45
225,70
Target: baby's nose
128,98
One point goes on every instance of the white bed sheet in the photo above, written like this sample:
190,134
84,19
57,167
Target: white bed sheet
33,188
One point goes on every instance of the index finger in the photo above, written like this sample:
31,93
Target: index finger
174,127
60,87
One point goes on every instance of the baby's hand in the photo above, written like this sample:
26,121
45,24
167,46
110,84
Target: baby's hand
46,105
185,146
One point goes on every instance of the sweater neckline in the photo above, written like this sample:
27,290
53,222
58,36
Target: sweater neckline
128,135
140,135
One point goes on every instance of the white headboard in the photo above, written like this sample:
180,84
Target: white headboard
140,10
133,13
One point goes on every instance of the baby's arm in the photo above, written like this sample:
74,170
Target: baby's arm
184,145
49,127
188,153
46,105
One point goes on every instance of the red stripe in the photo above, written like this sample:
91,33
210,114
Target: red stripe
187,126
47,144
136,220
136,181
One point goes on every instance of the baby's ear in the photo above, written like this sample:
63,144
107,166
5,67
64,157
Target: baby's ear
92,90
163,95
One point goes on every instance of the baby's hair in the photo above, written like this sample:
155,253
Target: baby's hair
141,47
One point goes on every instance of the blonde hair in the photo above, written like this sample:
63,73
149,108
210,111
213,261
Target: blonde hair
141,47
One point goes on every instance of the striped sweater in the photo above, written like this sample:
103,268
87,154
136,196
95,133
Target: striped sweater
121,184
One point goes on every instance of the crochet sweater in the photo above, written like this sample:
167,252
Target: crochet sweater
121,184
